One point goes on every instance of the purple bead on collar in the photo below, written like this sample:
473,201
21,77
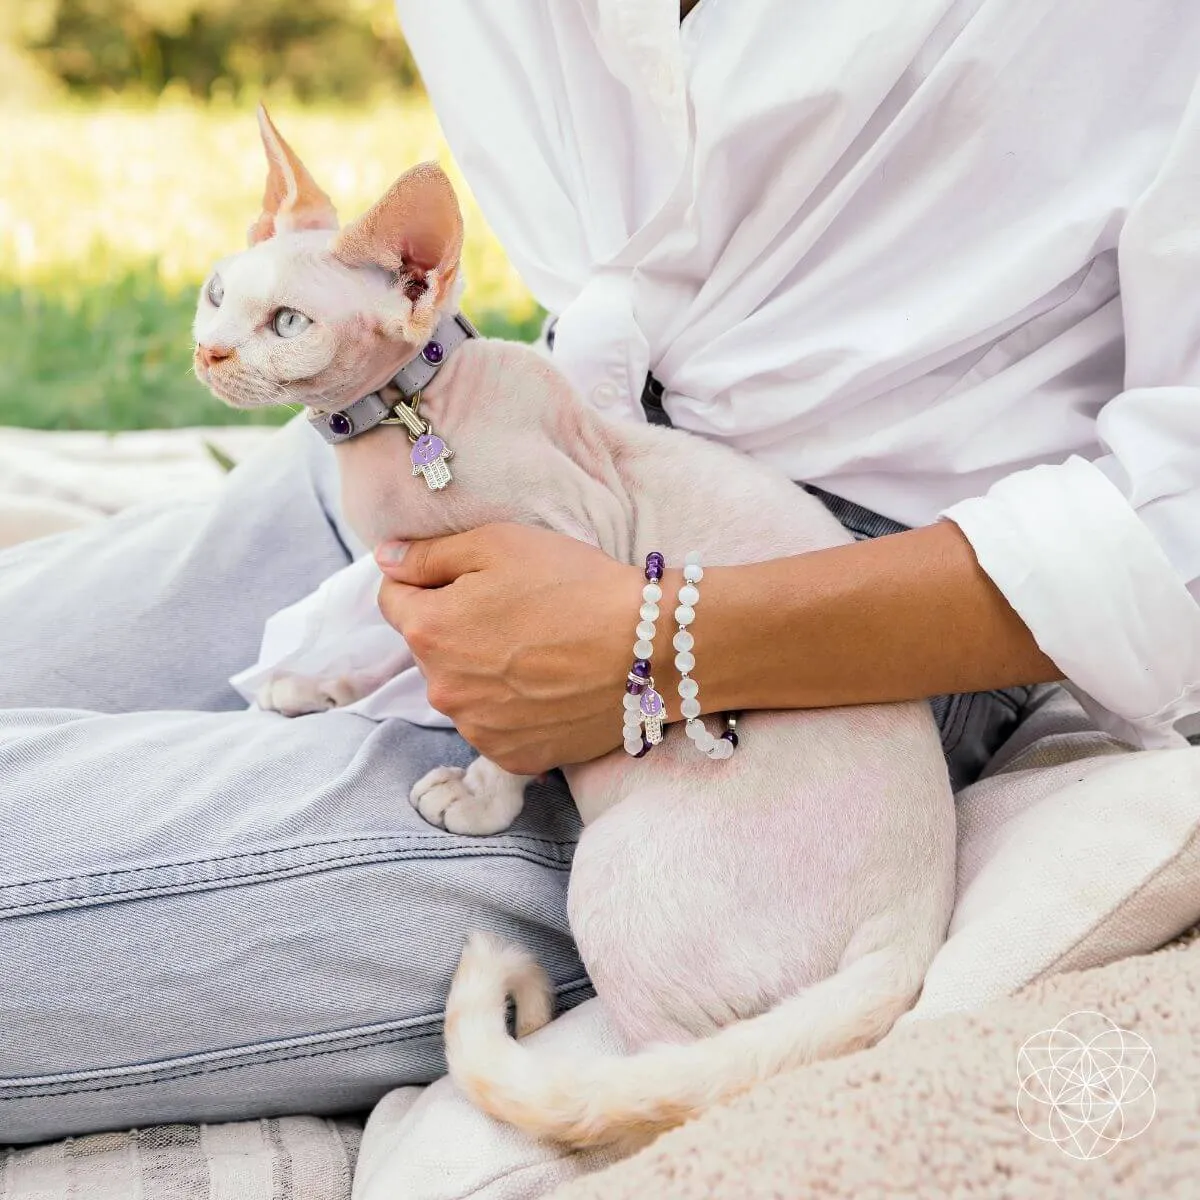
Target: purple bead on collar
433,353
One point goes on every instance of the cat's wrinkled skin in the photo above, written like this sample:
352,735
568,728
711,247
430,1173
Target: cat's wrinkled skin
783,905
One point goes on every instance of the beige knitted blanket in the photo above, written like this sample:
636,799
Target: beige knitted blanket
933,1112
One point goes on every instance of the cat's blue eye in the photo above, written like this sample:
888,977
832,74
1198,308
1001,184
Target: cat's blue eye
287,322
215,291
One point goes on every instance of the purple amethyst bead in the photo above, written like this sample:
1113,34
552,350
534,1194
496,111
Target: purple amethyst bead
641,667
644,750
731,738
634,689
433,353
655,565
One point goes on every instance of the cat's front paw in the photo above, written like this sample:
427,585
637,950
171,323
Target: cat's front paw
296,695
479,800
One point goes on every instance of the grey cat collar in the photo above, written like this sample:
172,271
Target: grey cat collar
372,409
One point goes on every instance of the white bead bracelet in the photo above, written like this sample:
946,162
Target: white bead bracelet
685,661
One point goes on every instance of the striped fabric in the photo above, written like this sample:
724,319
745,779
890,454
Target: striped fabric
287,1158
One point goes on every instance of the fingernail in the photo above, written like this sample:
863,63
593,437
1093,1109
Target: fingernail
391,553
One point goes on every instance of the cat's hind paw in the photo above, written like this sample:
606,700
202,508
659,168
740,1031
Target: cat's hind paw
297,695
477,800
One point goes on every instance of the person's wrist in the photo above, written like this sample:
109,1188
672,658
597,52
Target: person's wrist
666,675
715,671
729,641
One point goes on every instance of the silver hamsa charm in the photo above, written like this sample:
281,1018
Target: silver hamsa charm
429,455
652,711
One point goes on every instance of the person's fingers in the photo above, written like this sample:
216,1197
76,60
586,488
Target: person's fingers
401,604
434,562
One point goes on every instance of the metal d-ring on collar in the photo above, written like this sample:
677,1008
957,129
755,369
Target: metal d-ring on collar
406,413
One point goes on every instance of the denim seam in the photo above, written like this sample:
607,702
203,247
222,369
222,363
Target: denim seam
1006,697
956,727
9,1092
432,835
347,1043
293,870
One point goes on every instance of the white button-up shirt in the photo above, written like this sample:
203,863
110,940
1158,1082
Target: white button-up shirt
940,258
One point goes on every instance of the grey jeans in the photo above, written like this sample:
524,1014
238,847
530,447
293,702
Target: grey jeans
208,913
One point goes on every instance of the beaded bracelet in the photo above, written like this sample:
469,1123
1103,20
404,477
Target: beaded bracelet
643,707
685,661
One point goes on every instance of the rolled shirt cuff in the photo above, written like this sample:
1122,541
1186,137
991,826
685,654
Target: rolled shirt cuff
1097,592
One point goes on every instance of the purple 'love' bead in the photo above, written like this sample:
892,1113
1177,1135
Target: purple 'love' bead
433,353
641,667
340,424
427,447
652,704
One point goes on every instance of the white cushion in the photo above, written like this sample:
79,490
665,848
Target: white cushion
433,1144
1073,851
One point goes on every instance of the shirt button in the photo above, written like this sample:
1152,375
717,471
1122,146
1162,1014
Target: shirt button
605,395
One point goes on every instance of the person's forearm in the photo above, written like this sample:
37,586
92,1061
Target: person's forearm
897,618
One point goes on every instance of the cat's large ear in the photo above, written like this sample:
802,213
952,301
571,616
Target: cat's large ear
415,232
292,201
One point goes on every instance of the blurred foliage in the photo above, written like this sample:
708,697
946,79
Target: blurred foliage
348,49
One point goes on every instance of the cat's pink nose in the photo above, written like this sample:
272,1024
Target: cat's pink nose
213,354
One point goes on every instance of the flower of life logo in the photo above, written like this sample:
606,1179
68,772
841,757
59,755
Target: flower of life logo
1085,1085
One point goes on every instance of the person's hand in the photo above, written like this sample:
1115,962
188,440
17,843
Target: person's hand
524,638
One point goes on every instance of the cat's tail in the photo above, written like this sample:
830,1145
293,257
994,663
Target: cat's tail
596,1100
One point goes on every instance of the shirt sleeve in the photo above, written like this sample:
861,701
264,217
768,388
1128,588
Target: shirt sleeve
1101,559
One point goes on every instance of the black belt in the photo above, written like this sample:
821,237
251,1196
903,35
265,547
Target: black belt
652,404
